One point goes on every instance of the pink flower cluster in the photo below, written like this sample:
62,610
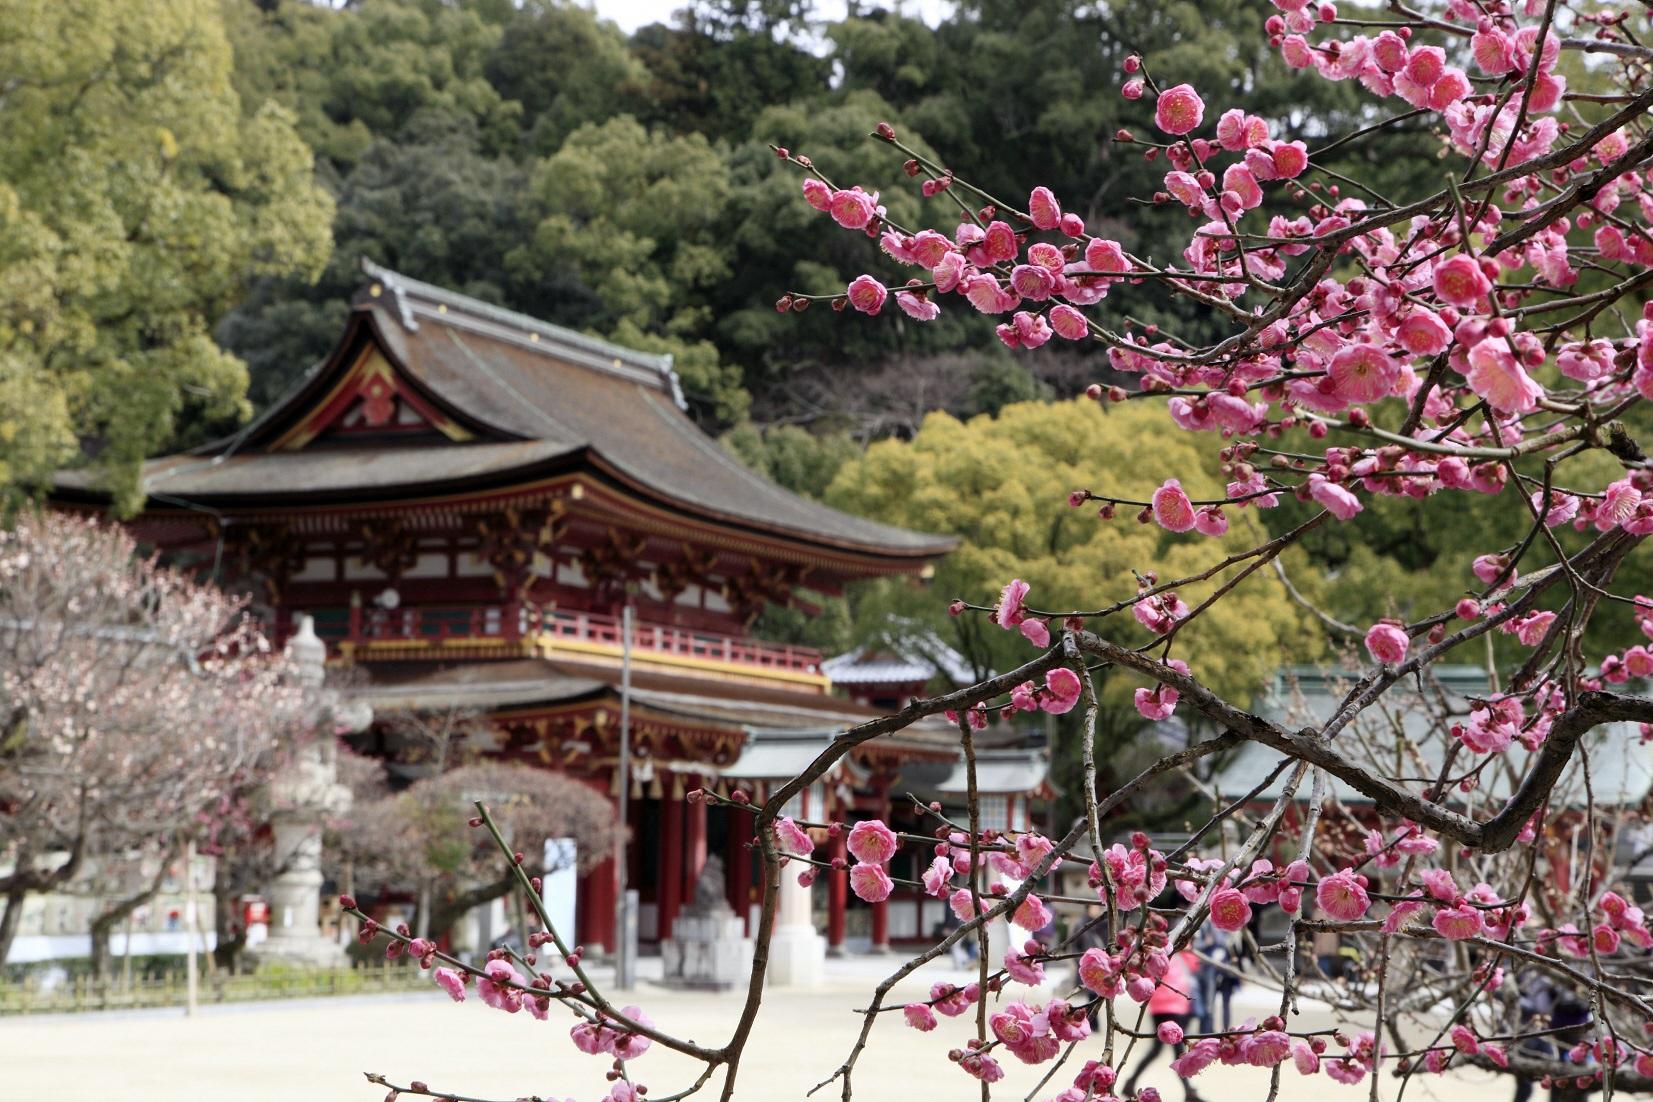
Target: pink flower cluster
602,1036
872,844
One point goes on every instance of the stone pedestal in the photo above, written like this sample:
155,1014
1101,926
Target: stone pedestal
797,954
708,952
708,947
295,901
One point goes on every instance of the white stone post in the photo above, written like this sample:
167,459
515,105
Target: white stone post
797,954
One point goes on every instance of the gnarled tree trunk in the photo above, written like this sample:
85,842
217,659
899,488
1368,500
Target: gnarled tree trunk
104,922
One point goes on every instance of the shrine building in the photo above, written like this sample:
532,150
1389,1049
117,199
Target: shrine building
465,499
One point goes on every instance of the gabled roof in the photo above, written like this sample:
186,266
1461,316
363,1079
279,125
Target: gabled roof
906,654
1621,769
485,393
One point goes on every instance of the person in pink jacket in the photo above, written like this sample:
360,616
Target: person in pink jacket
1172,1002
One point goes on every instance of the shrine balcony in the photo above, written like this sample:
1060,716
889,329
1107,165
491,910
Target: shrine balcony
448,631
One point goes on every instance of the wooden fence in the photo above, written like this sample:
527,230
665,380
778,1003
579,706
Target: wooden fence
81,993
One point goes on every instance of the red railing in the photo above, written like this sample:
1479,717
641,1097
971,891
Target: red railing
436,624
595,628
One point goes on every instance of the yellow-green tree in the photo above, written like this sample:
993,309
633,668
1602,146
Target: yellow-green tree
1000,484
138,194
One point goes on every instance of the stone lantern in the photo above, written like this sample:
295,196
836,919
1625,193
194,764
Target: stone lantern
301,798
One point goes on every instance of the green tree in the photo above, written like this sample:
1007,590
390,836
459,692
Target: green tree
138,194
998,484
720,64
637,217
364,73
993,480
432,205
803,462
565,68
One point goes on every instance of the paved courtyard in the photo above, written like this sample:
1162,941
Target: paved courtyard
316,1050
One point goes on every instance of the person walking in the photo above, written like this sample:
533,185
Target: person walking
1171,1004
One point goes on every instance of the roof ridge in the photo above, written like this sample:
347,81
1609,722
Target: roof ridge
718,454
593,349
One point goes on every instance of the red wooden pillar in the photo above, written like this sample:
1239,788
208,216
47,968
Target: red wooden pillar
694,845
669,889
737,864
837,897
881,910
599,891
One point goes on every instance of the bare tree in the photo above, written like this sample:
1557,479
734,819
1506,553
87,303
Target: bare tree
131,697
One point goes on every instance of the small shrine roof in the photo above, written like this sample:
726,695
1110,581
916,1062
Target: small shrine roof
1621,769
904,657
999,772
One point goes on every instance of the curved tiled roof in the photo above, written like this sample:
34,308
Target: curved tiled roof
528,393
625,414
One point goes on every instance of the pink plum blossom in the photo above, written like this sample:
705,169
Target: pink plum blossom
1342,896
1386,642
872,842
870,882
1179,110
452,982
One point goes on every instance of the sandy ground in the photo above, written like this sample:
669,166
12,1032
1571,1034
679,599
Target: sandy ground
316,1050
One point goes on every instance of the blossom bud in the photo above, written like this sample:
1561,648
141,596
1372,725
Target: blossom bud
886,131
419,1086
911,166
1116,394
782,152
536,883
1094,392
348,902
955,608
476,821
1108,511
1123,135
1077,498
783,304
1132,63
800,304
739,796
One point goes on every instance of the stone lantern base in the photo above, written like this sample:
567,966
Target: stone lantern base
314,951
